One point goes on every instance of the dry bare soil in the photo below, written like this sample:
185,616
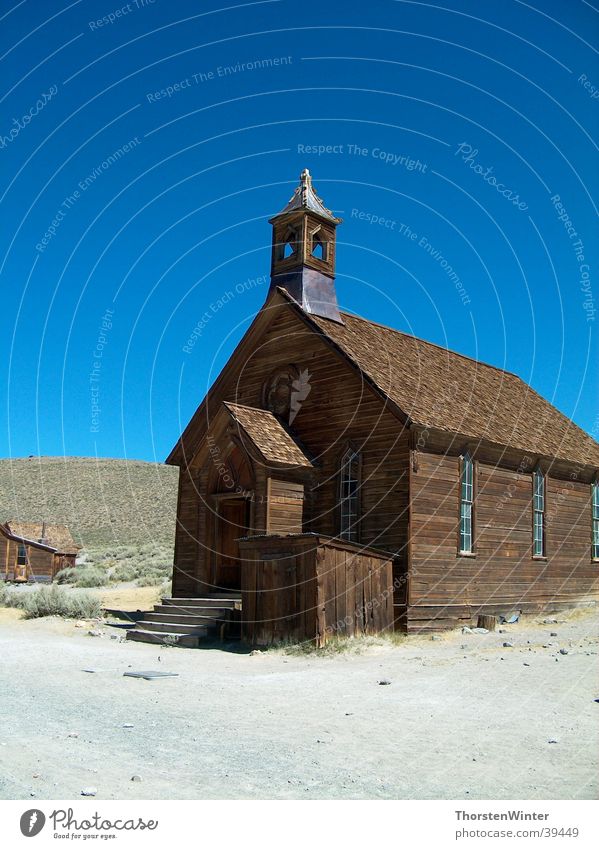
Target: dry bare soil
462,717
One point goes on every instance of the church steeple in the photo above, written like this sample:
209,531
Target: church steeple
303,251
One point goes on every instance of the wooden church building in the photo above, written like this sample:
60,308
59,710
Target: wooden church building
342,477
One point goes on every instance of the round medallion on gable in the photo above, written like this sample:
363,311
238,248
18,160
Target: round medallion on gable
278,389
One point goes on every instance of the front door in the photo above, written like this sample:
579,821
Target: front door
233,516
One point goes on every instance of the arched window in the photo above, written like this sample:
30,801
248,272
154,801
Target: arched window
466,501
318,247
350,483
288,246
538,506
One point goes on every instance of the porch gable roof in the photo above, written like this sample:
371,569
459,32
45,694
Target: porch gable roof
266,433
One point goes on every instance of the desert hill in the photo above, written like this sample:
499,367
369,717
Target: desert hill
104,502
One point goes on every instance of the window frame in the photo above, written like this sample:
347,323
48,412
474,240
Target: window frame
466,461
22,556
541,514
351,533
595,521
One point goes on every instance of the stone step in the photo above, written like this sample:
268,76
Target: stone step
187,641
168,626
209,618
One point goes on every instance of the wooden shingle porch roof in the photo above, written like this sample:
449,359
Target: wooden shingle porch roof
274,444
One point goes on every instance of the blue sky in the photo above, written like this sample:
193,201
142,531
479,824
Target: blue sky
143,154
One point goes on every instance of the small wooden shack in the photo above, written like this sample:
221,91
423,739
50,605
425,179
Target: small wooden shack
337,463
35,551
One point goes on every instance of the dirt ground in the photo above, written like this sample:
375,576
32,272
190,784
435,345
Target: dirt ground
463,717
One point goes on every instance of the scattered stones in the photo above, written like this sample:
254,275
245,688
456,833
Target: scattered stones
36,775
128,725
80,625
435,637
73,734
501,631
95,633
89,791
136,778
384,682
466,630
547,645
552,740
526,664
563,651
553,634
549,621
480,630
255,652
507,645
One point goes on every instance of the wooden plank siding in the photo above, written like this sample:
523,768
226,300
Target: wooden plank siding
285,502
313,588
42,563
502,575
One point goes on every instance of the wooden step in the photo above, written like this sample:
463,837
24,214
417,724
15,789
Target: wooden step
187,641
171,627
185,618
204,610
229,602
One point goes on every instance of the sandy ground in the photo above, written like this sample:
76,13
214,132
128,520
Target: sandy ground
463,717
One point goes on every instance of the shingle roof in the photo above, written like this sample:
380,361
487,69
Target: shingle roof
6,531
55,536
268,435
441,389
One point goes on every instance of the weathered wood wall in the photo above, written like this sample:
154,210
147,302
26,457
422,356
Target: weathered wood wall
502,575
309,588
285,507
41,563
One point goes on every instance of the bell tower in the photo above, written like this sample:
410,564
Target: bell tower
303,251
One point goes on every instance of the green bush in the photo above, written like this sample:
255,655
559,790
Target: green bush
91,576
67,575
52,601
150,579
123,572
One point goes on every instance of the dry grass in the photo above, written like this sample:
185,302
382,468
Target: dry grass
342,645
51,601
